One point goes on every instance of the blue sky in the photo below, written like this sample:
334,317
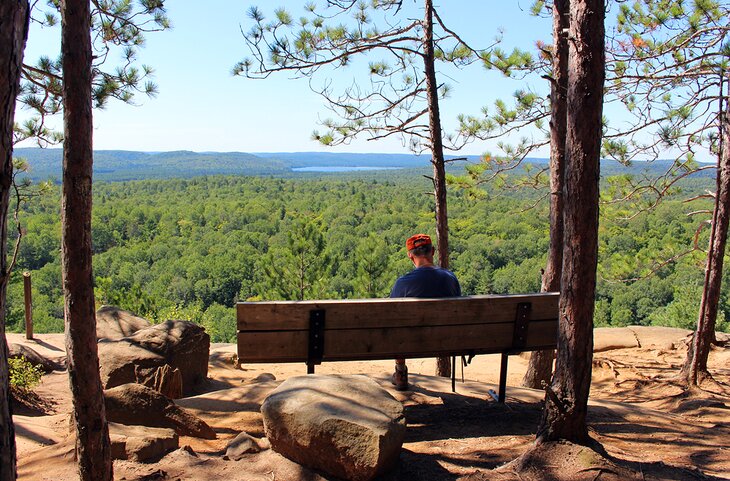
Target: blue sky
202,107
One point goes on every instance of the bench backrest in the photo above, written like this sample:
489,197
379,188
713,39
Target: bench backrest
361,329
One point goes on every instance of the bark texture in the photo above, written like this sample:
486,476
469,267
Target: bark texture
443,366
566,403
540,367
14,17
93,448
694,370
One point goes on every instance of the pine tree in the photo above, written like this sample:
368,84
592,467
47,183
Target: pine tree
371,260
566,401
93,447
15,18
297,271
111,24
118,28
540,367
669,63
403,96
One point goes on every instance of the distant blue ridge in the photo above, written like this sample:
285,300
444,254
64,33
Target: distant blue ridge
121,165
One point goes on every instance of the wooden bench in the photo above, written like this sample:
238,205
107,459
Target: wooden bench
368,329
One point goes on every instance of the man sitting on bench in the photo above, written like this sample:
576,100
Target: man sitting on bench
426,280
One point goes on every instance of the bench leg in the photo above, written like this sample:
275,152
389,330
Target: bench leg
453,373
310,368
503,378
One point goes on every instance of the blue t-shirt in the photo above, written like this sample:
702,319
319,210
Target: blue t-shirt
429,281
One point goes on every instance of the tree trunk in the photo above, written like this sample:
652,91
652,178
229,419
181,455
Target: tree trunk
443,366
694,370
566,402
92,442
540,367
14,18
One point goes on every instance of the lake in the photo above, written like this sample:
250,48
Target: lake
339,168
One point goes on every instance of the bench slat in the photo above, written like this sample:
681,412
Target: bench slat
389,313
391,342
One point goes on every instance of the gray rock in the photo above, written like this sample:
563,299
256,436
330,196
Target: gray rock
347,426
140,443
243,444
263,377
134,404
115,323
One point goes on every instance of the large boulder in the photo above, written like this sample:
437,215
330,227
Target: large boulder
137,405
46,365
347,426
171,357
115,323
184,345
140,443
122,362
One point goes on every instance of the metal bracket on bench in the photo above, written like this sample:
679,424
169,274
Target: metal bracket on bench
522,322
316,339
519,341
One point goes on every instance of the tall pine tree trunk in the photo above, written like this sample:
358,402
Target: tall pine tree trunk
93,448
694,370
14,17
566,402
443,366
541,362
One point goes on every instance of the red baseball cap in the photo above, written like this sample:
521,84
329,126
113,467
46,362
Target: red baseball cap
418,240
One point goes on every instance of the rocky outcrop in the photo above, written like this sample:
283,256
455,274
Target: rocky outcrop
115,323
347,426
134,404
171,357
46,365
140,443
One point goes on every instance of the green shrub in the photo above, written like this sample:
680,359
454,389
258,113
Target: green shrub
23,375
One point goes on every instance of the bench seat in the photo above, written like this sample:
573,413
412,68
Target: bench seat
315,331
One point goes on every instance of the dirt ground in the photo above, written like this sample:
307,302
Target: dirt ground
649,427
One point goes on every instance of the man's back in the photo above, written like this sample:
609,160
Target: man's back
428,281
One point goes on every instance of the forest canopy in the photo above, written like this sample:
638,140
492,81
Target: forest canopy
189,249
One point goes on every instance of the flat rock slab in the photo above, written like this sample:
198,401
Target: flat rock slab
648,337
141,443
609,338
347,426
655,337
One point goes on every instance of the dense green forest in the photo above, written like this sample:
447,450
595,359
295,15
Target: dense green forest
190,248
